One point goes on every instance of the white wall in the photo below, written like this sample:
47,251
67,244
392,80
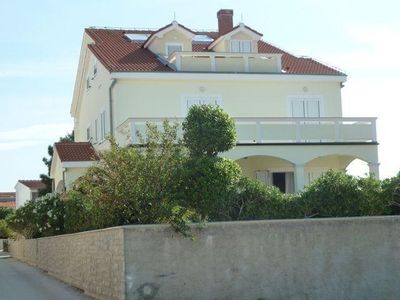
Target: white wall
23,194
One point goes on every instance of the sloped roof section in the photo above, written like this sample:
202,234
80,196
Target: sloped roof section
33,184
74,151
119,54
7,200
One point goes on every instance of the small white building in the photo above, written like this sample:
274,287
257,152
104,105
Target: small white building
26,190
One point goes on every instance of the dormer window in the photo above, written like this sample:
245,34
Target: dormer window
173,47
241,46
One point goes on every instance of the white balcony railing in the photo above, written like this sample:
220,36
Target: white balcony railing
226,62
276,130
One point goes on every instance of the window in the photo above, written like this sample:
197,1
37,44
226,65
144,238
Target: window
171,48
88,134
189,101
240,46
94,67
103,125
305,107
96,130
88,83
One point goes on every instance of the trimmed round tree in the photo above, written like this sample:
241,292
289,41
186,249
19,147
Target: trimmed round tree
208,130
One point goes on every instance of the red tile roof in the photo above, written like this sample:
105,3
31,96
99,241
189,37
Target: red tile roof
7,200
7,195
74,151
33,184
119,54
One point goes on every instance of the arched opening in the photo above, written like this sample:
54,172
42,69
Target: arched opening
269,170
345,163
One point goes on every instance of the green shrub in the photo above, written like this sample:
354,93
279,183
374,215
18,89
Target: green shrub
79,212
336,194
5,231
42,217
206,187
5,211
208,130
391,192
135,185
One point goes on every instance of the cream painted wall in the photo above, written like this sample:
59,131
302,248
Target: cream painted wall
156,98
73,174
158,46
94,101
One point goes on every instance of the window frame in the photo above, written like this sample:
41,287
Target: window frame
202,98
240,45
304,100
172,44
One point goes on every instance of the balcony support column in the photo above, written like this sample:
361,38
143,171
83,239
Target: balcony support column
299,180
374,169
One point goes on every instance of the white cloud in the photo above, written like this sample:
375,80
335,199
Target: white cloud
374,47
22,69
33,135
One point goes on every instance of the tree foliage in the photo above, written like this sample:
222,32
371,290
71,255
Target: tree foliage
208,130
45,178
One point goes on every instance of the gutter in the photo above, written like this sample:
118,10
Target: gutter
113,82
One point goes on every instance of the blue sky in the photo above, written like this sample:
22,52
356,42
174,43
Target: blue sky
40,43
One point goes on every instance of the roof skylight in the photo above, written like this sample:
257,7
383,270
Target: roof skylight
137,37
202,38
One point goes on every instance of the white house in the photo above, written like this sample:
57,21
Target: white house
287,109
26,190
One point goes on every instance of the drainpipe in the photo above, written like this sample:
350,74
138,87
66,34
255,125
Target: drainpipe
113,82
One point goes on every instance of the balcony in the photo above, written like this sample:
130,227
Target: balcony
226,62
276,130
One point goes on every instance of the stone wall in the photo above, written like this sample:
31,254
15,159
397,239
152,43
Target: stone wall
92,261
345,258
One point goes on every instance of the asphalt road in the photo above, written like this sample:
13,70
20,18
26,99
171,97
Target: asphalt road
19,281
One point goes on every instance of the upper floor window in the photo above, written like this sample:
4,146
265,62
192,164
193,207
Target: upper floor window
241,46
94,67
88,134
171,48
305,107
189,101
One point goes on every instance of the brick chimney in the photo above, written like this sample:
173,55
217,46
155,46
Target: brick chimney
225,21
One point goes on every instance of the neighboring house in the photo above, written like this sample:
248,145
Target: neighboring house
27,190
287,109
70,160
7,200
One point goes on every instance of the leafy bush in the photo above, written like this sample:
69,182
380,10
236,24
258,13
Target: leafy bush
208,130
207,183
336,194
5,231
5,211
41,217
79,213
252,200
391,193
135,185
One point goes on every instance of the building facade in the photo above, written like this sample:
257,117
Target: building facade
287,109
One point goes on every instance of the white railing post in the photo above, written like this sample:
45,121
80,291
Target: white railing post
133,132
212,57
373,125
259,132
298,132
337,131
246,63
178,62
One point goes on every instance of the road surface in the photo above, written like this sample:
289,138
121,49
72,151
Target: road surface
19,281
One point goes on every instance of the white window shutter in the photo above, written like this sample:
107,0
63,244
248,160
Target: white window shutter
245,46
262,176
235,46
313,109
298,109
